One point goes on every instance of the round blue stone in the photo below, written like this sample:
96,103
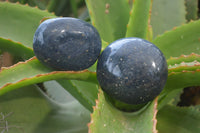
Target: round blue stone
67,44
132,70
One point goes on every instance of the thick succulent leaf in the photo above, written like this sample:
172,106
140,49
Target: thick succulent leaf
175,84
181,40
28,111
184,67
59,95
108,119
88,91
192,9
172,97
15,48
138,21
183,71
91,93
41,4
167,14
183,58
180,76
32,22
19,22
110,17
183,79
32,71
178,120
85,93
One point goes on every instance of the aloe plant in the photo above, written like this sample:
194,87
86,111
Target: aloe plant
36,99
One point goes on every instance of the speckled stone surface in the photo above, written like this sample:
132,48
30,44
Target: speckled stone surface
132,70
67,44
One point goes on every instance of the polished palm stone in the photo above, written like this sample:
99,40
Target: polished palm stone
67,44
132,70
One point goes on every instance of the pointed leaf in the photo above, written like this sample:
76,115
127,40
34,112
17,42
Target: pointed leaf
108,119
180,76
32,71
167,14
138,21
15,17
183,79
171,97
15,48
28,111
183,58
109,20
181,40
86,93
59,95
178,120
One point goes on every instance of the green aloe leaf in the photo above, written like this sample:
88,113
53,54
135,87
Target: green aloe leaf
183,71
59,95
183,58
182,40
138,21
110,17
41,4
88,91
107,119
167,14
172,97
179,43
32,71
19,22
15,48
178,119
32,23
28,110
84,92
183,79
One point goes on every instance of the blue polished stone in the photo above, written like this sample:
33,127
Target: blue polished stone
132,70
67,44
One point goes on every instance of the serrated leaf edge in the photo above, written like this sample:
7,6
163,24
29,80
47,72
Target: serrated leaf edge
94,108
183,56
19,43
27,5
154,130
48,75
17,64
174,28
